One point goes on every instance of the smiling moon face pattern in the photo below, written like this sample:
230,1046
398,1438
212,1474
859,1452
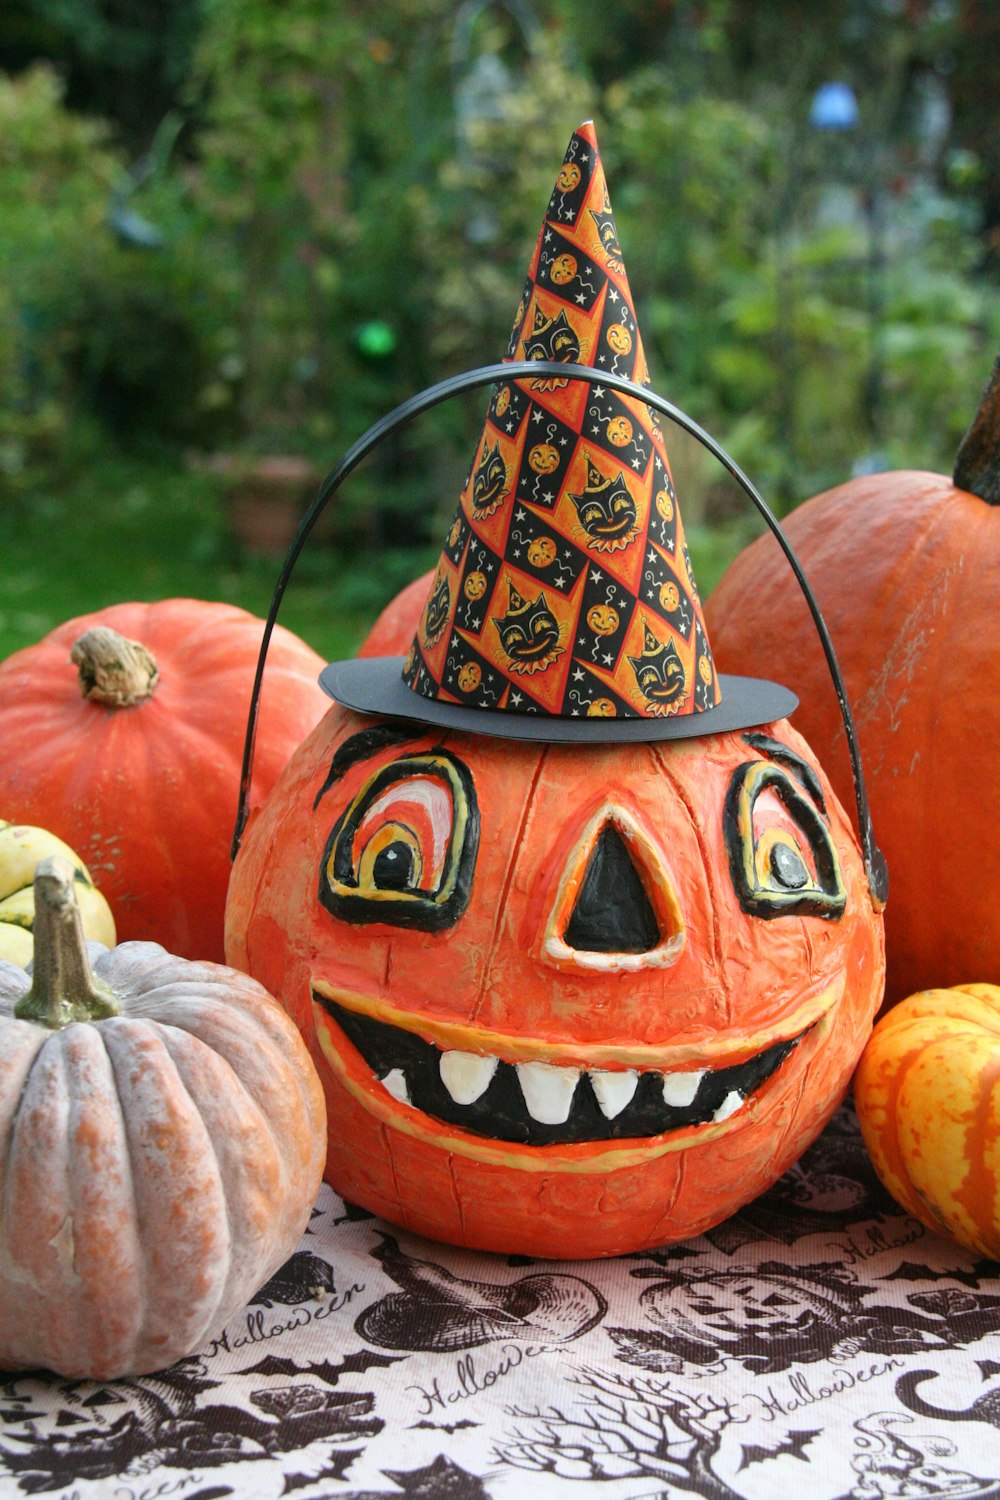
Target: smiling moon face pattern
568,519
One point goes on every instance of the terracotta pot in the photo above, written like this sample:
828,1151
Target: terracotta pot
266,498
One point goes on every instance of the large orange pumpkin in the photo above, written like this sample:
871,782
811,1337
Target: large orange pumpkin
565,1000
929,1107
905,567
123,735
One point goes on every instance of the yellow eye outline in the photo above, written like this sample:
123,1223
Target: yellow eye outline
750,855
347,885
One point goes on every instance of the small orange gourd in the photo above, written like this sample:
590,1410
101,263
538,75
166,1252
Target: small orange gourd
928,1095
162,1137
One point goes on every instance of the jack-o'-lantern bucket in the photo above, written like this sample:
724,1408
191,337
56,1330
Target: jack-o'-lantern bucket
582,942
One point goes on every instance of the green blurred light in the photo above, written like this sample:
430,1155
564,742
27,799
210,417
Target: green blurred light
376,339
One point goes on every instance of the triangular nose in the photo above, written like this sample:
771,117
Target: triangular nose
612,913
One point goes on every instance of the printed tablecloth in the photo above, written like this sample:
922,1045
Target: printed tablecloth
820,1343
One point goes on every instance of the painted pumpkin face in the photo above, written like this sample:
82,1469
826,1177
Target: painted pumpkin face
619,431
665,504
542,552
603,619
569,177
475,585
566,1000
563,269
543,458
619,338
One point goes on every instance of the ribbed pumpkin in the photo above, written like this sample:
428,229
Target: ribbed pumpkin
123,734
566,1000
928,1096
905,568
161,1146
22,849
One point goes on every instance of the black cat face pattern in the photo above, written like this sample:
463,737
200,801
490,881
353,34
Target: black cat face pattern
571,485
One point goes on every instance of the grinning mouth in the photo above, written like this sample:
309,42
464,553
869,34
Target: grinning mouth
536,1103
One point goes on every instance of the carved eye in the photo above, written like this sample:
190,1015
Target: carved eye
781,855
404,850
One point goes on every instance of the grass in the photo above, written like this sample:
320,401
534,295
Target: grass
131,529
142,530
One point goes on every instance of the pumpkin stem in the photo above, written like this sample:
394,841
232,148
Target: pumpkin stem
977,462
113,669
63,988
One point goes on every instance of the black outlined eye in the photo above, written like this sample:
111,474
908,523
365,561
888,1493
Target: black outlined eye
404,850
781,855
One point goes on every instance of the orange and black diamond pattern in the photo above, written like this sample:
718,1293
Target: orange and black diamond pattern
564,586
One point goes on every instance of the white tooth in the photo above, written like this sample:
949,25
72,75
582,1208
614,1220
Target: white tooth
729,1105
679,1089
466,1075
395,1082
548,1090
614,1090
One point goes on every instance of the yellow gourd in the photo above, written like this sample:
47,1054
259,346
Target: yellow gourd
22,848
927,1090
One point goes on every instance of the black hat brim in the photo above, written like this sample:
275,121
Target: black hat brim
375,685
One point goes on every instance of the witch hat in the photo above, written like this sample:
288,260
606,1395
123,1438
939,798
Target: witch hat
563,606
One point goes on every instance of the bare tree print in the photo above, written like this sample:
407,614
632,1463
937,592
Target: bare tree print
626,1427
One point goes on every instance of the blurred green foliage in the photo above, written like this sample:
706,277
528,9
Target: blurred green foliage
294,217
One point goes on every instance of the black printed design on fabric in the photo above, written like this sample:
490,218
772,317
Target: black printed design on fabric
438,1310
165,1421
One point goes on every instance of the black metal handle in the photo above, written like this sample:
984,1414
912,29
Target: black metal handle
874,860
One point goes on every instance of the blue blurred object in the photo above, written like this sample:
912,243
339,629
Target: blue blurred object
834,107
132,228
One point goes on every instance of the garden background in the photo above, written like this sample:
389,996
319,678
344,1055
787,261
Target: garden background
237,230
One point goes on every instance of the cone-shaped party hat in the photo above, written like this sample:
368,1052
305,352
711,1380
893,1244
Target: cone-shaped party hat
563,605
